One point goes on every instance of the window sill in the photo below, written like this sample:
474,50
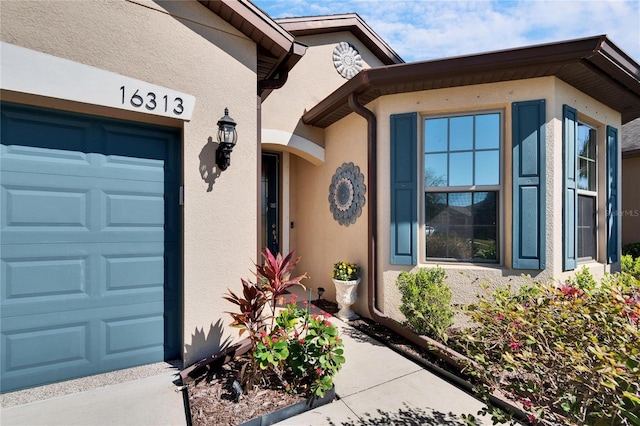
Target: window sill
463,265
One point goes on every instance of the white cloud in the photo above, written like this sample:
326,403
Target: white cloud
424,29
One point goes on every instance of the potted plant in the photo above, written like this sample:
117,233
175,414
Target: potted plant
346,277
288,348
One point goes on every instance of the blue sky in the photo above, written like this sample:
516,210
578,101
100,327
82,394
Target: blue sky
431,29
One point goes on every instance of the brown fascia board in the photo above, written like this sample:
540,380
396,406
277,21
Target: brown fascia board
258,26
631,154
611,59
311,25
513,64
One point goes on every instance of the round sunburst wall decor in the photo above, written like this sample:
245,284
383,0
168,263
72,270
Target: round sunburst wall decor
347,60
346,194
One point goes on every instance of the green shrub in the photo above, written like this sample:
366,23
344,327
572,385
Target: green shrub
426,301
632,249
630,266
566,355
583,279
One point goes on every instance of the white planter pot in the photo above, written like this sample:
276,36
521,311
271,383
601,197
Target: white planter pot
346,295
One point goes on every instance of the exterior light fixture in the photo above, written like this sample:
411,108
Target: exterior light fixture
320,292
227,138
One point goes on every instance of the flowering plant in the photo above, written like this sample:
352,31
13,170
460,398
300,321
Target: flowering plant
299,350
345,271
568,354
303,349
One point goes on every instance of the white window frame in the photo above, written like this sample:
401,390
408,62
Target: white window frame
590,193
499,189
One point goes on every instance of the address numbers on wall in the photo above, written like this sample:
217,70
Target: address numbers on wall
152,100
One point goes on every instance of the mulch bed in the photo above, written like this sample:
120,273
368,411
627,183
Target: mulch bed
212,400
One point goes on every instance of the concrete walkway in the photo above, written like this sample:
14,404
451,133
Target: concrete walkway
376,386
149,401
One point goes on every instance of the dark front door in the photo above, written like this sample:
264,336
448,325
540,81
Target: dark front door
270,202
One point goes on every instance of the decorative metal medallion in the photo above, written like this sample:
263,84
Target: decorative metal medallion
346,194
347,60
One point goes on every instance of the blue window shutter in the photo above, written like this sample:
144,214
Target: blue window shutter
613,252
529,215
569,189
404,189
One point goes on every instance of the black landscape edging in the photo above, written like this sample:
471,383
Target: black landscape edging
292,410
279,415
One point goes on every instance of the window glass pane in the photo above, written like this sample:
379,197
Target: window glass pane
461,137
484,208
461,169
435,134
437,243
459,210
586,227
460,242
484,243
586,174
487,168
435,206
461,225
586,141
488,131
435,170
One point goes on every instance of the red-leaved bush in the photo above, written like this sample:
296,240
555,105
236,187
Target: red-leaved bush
565,355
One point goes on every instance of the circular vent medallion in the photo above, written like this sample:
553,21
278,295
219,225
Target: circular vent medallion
347,60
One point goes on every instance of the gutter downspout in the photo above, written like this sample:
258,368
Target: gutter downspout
438,349
449,355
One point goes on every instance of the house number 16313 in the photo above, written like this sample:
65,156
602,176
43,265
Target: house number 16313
151,101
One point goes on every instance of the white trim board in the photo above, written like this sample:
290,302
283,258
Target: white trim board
293,143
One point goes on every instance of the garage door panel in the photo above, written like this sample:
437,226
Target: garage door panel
55,209
66,277
66,344
29,203
127,272
134,334
133,209
69,346
47,137
30,279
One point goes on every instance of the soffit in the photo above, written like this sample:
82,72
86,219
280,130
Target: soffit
594,66
276,51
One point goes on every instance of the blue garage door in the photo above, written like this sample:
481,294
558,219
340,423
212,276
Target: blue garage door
89,245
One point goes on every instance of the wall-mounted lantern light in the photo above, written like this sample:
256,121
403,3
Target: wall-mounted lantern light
227,138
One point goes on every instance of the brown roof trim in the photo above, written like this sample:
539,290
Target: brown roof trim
310,25
278,50
631,153
593,65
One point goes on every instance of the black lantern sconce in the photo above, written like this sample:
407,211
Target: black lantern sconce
227,138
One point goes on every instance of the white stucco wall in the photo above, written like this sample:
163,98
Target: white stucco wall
321,240
350,132
312,79
185,47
